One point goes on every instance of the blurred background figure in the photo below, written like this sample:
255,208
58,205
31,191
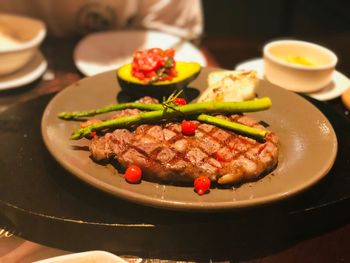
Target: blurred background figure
65,17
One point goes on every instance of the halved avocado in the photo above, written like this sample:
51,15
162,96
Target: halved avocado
187,72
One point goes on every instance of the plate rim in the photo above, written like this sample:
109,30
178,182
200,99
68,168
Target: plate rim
188,206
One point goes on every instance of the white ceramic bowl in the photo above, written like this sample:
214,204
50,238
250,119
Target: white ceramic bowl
20,38
295,76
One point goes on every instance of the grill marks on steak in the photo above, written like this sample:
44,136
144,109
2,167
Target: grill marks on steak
166,155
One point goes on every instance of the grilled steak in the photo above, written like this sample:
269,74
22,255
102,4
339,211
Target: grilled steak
166,155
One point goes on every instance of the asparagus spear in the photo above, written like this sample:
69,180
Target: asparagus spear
234,126
152,106
109,108
175,112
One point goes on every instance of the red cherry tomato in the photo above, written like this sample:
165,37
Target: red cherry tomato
133,174
138,54
156,50
188,127
202,184
148,63
180,101
92,134
169,52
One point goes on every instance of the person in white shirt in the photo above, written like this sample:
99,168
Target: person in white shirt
183,18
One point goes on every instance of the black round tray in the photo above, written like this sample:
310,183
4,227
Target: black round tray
42,202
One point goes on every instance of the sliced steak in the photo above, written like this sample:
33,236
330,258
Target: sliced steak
166,155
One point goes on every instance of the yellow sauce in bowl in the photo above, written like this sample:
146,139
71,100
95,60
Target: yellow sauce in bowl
301,60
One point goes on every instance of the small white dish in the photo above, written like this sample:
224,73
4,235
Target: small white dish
104,51
334,89
298,66
20,38
97,256
27,74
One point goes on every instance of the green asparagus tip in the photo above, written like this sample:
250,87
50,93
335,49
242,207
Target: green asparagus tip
65,115
61,115
78,134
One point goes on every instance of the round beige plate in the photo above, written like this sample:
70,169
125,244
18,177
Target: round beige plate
308,148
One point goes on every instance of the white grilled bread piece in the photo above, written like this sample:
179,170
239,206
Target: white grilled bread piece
230,85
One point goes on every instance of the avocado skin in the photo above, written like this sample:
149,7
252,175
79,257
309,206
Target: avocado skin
135,89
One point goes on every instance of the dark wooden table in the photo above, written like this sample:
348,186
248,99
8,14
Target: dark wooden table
328,244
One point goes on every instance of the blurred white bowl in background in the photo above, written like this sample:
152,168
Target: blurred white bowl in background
298,65
20,38
96,256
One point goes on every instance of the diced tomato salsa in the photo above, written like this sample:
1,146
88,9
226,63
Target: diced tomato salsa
154,65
